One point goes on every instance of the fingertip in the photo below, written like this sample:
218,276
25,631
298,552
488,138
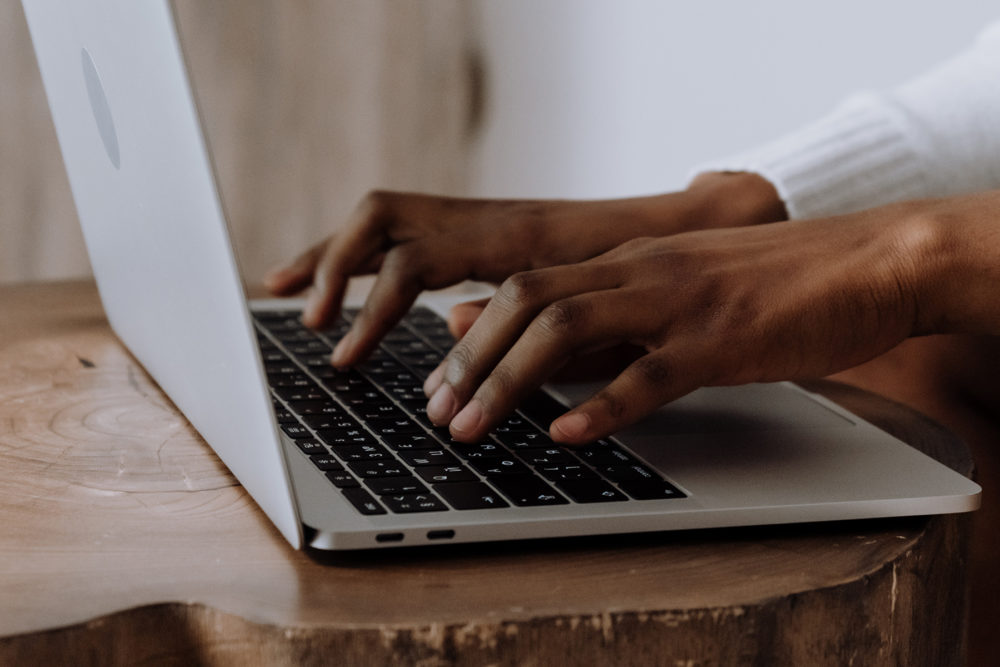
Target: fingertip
341,351
434,380
279,279
466,424
442,406
572,428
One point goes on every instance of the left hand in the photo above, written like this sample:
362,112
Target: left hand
717,307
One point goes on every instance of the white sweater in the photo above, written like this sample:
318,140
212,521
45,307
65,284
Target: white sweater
937,135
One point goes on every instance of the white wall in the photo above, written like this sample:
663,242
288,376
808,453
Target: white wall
594,98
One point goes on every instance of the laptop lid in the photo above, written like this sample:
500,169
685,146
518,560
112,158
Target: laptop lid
153,222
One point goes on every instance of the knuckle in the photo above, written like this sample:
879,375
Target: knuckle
613,404
402,259
653,371
631,246
521,289
459,361
563,317
376,206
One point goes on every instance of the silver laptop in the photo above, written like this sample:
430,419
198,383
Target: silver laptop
348,460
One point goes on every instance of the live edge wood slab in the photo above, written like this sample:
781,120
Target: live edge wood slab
125,541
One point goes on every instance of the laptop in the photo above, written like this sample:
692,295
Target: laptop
347,459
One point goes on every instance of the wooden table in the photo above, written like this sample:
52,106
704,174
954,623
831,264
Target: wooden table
125,541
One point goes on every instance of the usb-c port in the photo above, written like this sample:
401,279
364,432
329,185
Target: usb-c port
440,534
389,537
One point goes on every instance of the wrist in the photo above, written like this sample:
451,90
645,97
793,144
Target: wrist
734,199
958,257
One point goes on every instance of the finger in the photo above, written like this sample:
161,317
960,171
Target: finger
345,255
516,303
648,383
583,322
462,316
294,277
406,271
395,289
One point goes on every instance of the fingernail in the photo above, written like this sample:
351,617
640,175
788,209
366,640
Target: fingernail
434,380
442,405
574,425
468,419
340,349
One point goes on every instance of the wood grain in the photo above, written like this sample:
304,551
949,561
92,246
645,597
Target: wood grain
126,542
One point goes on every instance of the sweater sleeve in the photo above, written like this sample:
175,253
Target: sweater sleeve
935,136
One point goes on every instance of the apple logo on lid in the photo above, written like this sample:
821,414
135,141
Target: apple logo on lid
102,111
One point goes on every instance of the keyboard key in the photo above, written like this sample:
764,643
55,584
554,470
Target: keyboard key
314,346
296,431
395,486
651,489
327,407
273,356
441,474
406,394
603,453
515,423
590,491
324,422
386,409
310,446
408,504
342,479
363,501
553,456
496,466
470,496
560,472
368,469
628,473
527,490
371,452
335,439
402,442
296,381
295,394
429,457
476,450
282,367
529,440
325,462
342,425
394,425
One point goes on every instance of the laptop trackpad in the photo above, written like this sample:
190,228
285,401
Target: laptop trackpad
742,409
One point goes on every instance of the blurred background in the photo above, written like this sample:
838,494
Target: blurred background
307,105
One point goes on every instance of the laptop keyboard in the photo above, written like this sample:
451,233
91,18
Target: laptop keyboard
367,429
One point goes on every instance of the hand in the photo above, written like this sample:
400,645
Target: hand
598,365
418,242
719,307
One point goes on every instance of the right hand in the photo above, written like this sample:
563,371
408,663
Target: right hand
417,242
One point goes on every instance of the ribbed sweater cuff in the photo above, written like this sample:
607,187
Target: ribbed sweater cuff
857,157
